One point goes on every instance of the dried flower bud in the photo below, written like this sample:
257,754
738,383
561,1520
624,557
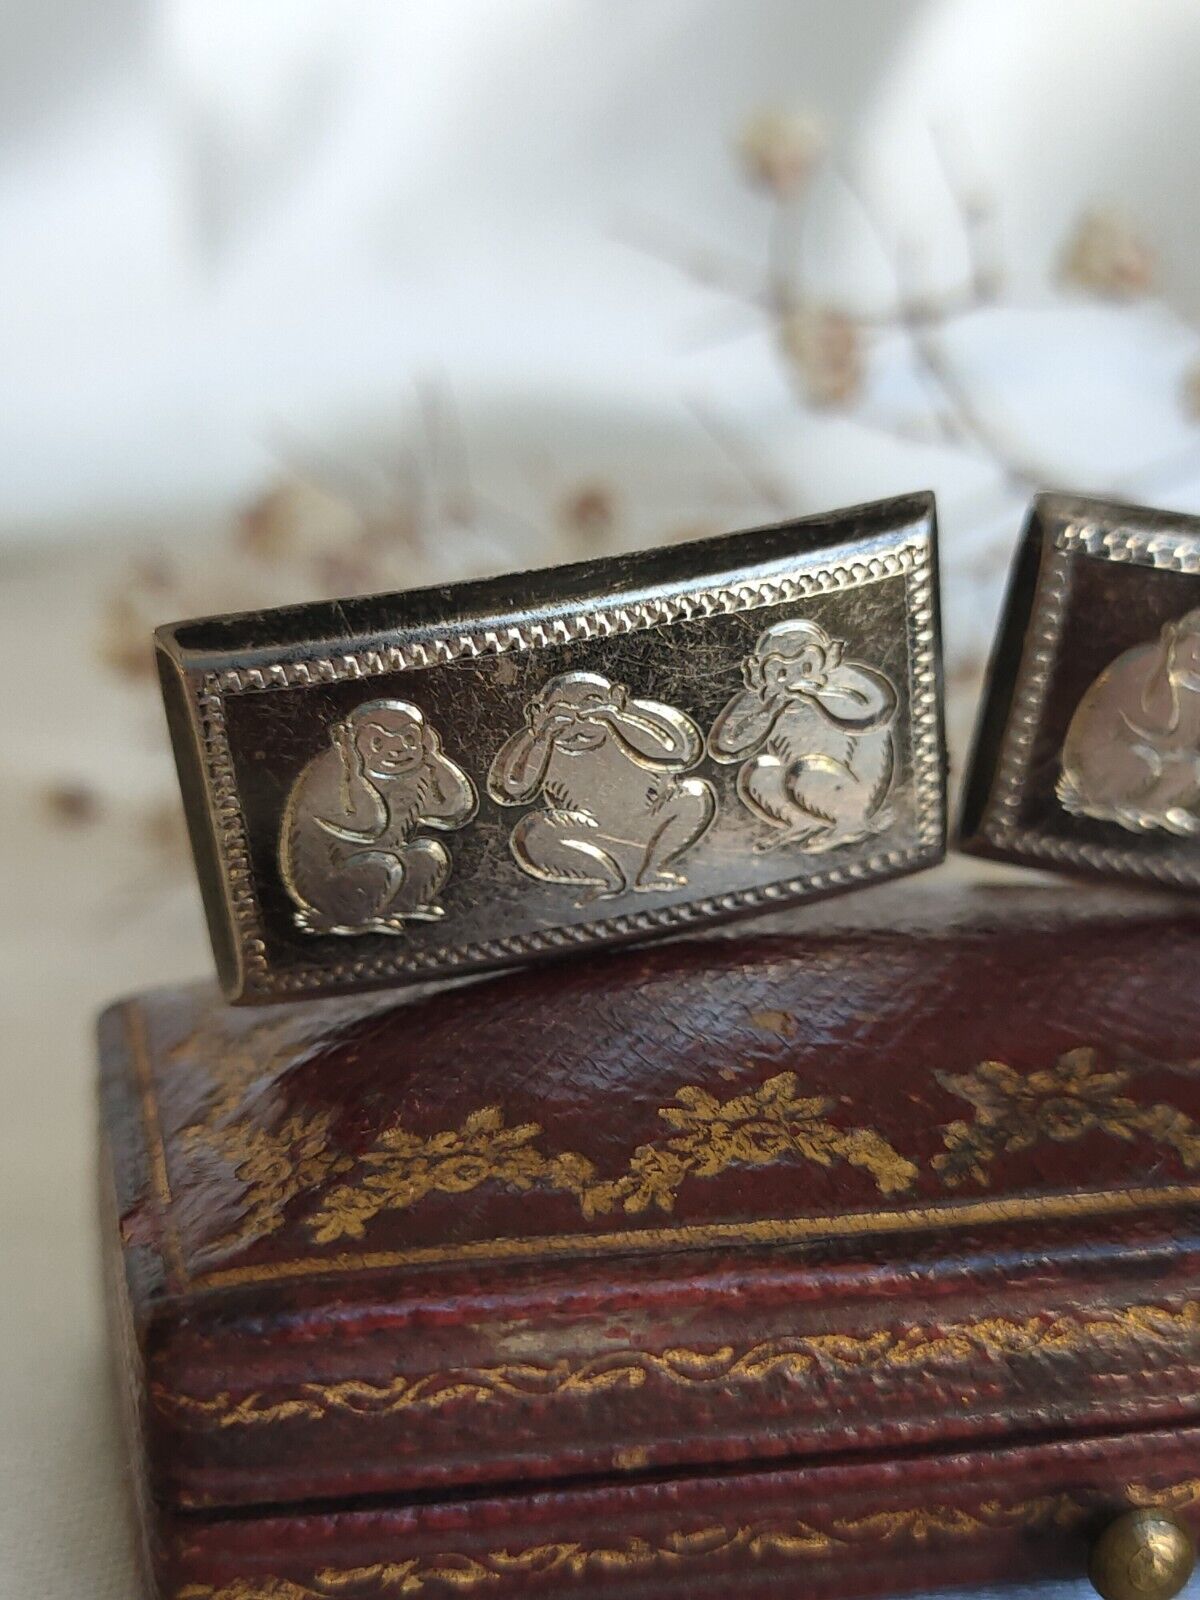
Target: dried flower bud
72,805
294,518
589,514
1105,256
124,643
152,572
266,528
824,348
779,150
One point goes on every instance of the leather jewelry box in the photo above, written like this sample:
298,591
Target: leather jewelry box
853,1253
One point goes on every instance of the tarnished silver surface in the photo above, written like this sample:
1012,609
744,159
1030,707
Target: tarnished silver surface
392,788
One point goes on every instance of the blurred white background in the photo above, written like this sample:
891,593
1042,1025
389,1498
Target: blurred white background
316,296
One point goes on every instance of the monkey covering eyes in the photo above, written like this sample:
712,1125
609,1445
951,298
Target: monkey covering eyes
618,814
346,847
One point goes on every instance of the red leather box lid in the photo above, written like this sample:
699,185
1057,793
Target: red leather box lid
928,1174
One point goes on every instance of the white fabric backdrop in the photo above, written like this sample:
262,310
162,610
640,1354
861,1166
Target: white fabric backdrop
492,276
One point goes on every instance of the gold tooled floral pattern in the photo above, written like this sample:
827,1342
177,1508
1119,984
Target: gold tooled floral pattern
788,1539
274,1165
1014,1111
1158,1329
769,1124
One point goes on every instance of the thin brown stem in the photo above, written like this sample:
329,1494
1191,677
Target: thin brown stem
702,263
923,332
742,457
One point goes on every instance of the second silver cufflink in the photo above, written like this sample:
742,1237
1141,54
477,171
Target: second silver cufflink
1087,754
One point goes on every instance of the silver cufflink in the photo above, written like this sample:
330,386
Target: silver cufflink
402,787
1087,752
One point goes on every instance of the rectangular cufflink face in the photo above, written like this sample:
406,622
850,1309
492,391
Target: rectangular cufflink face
1087,753
390,789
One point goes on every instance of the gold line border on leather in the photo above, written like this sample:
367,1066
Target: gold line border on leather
770,1231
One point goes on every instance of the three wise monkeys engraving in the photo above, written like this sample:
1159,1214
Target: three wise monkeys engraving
620,806
1132,750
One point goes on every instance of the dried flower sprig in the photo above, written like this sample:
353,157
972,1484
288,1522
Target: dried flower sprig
1105,255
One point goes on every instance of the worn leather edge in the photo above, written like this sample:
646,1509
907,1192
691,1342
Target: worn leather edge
894,1525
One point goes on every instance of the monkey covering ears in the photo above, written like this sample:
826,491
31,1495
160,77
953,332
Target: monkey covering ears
618,816
1132,751
817,731
346,846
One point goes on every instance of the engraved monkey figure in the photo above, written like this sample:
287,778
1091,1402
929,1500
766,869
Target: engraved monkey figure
618,814
346,846
817,732
1132,751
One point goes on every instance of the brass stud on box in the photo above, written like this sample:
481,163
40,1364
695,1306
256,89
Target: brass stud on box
1087,751
389,789
1142,1555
